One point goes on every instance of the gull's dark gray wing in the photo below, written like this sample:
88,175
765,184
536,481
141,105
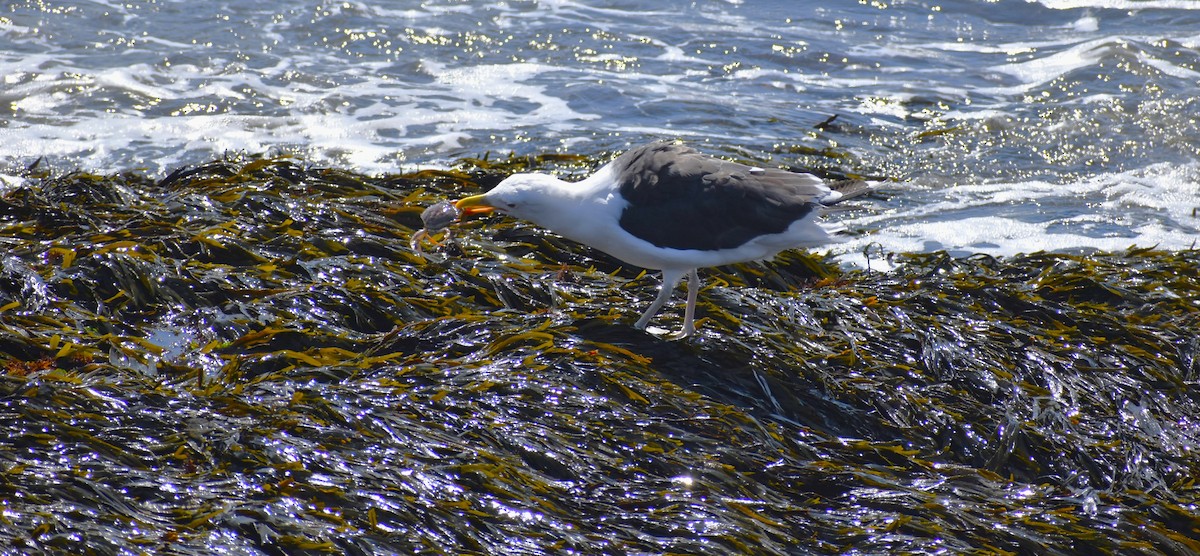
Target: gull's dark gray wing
682,199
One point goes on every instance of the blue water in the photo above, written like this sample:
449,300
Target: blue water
1004,127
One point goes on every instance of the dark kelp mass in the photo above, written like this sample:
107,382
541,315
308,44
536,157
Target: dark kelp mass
246,357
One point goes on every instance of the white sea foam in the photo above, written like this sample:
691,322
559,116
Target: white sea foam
1043,69
1086,24
461,101
1154,206
1121,4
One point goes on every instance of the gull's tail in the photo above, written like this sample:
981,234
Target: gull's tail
843,190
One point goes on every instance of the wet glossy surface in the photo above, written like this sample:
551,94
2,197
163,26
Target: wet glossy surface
245,357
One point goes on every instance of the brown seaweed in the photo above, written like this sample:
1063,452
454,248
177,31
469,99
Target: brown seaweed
245,356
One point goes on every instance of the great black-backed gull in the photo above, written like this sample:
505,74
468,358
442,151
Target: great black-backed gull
665,206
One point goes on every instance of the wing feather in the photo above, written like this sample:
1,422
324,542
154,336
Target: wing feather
682,199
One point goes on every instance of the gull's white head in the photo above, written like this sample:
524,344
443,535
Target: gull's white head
533,197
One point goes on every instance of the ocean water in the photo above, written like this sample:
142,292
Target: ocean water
1001,127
